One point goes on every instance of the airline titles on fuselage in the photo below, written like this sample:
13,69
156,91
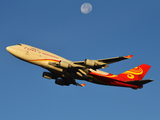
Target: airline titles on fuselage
35,50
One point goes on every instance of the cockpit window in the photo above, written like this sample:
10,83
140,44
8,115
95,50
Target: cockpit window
20,44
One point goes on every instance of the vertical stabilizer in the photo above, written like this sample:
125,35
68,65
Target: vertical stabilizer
136,73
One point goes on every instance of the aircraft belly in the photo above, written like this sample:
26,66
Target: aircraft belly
54,69
64,72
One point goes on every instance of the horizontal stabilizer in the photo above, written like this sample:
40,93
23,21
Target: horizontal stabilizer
139,82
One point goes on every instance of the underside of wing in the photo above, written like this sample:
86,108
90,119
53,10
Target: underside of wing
115,59
101,63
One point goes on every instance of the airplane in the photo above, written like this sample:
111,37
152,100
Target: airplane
65,72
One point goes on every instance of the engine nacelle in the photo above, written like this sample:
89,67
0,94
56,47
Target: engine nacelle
95,64
64,64
60,64
61,82
90,63
48,75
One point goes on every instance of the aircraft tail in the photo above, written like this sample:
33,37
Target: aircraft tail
135,74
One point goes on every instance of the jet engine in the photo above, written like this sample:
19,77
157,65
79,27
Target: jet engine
60,64
64,64
89,62
61,82
49,75
94,64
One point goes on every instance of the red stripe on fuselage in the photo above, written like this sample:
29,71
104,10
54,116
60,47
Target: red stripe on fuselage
45,60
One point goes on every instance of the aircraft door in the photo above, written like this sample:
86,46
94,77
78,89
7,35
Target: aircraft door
27,52
39,52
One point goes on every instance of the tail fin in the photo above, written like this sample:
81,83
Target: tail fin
136,73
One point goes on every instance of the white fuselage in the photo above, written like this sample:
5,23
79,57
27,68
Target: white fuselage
42,58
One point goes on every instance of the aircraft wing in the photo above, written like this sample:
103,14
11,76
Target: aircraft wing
115,59
103,62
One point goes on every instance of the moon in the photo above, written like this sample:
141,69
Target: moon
86,8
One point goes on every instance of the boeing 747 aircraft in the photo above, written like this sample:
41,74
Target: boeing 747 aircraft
65,71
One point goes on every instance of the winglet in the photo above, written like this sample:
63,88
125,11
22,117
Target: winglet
83,85
129,56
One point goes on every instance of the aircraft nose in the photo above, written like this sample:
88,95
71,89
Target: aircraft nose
8,48
11,49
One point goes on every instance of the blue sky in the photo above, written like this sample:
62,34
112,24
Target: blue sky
113,28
